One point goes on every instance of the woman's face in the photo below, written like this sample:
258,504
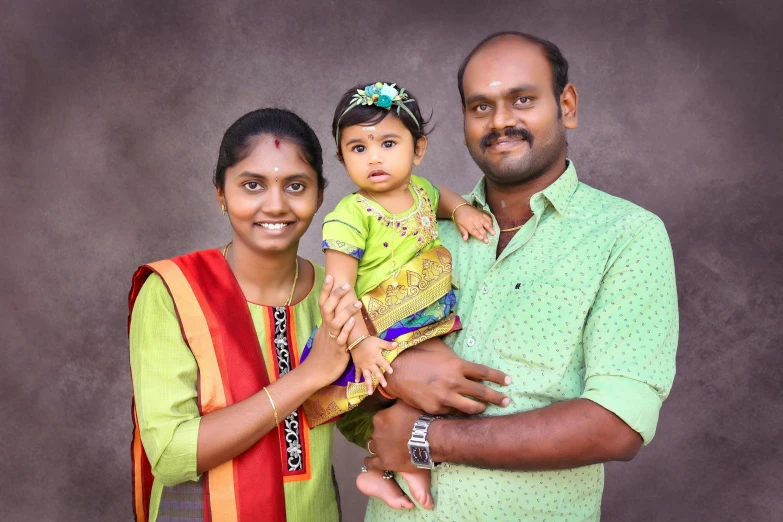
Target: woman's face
271,196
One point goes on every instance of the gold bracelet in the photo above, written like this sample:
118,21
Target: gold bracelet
357,341
274,410
455,209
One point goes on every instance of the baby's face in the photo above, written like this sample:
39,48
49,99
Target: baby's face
380,157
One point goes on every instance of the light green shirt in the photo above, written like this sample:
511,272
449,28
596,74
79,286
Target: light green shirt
581,303
165,376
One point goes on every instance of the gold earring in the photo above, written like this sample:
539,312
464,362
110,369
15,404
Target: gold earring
223,208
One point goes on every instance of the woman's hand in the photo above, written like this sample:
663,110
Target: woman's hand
470,220
329,355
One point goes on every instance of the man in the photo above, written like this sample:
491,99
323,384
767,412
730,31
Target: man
574,299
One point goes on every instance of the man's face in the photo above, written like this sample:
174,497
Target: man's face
513,127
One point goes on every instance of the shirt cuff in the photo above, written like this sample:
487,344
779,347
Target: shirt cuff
634,402
179,461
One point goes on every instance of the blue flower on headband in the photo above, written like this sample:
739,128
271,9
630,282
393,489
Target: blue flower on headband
388,90
384,102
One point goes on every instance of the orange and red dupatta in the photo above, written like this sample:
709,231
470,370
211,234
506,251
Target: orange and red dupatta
217,326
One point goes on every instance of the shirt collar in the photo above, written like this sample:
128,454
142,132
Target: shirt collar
558,194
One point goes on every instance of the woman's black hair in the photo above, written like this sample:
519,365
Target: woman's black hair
372,114
277,123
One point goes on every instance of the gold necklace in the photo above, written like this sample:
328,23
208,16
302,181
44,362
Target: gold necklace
394,221
296,275
293,287
513,228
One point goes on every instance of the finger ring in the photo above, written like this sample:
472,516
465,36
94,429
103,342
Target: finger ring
331,334
388,475
371,452
364,469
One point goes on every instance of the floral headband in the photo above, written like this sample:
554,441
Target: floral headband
381,95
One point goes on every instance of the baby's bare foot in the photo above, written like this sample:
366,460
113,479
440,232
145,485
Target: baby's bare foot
419,485
373,484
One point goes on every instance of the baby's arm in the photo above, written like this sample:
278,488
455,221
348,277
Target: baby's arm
367,354
468,219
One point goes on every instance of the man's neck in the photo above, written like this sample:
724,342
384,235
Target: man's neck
510,204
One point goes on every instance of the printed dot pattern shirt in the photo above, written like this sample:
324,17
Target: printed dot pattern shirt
581,303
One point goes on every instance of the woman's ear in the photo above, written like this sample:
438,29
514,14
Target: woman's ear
220,196
419,150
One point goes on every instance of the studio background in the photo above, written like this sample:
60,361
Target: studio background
110,120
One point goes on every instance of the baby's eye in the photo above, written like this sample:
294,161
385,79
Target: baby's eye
359,148
296,187
388,144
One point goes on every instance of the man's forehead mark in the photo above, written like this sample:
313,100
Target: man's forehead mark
496,83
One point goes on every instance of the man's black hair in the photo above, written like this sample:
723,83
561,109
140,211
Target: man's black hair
552,52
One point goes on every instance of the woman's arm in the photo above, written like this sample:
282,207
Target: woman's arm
166,402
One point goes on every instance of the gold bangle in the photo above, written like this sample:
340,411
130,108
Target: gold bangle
274,410
357,341
455,209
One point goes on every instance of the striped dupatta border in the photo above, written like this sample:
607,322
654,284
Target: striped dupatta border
217,326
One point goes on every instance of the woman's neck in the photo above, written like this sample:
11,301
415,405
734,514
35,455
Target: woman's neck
264,277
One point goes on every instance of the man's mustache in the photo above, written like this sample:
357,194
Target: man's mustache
509,133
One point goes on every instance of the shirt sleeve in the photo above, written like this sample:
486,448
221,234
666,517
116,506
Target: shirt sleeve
432,190
164,374
345,229
630,336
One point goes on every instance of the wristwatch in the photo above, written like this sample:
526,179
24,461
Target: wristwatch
418,445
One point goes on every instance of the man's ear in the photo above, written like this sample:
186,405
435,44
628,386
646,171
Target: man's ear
569,105
420,150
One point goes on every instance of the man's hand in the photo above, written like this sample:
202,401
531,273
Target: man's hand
432,378
392,428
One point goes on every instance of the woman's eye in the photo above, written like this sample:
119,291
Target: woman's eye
359,148
388,144
252,185
296,187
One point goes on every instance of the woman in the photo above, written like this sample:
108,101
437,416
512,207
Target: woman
220,434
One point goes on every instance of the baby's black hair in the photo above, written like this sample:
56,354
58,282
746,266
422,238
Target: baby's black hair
372,114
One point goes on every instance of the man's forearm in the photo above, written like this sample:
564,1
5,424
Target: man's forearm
565,435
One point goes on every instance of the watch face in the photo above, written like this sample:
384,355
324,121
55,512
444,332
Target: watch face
420,455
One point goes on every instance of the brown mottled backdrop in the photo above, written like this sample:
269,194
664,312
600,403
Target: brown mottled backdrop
110,120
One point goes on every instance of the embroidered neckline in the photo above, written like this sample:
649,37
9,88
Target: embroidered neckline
416,208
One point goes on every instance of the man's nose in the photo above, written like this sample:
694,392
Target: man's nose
503,118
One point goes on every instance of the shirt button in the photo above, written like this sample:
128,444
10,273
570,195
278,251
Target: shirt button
471,342
484,288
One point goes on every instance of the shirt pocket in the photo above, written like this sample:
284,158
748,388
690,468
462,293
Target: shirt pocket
540,327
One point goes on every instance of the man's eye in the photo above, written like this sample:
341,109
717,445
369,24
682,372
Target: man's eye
388,144
483,107
523,100
296,187
359,148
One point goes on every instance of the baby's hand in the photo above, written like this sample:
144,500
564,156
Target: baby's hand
368,360
471,221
